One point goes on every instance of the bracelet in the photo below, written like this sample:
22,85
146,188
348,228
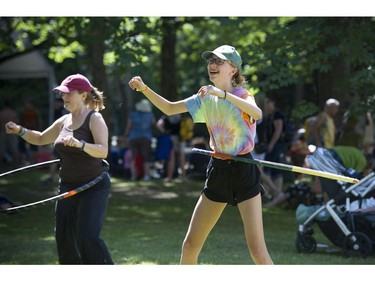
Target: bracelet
20,130
225,95
24,131
83,146
143,91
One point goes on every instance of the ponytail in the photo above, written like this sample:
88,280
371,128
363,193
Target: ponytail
95,100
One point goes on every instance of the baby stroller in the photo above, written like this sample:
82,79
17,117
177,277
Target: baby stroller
351,229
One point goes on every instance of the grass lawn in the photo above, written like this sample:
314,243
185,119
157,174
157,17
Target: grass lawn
145,225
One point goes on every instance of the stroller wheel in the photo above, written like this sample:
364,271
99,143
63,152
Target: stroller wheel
305,243
357,244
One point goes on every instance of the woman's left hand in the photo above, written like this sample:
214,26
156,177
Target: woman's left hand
71,141
211,90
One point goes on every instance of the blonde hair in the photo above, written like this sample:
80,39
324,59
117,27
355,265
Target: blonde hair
238,80
94,99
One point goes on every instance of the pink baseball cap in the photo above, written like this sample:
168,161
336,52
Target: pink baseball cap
74,82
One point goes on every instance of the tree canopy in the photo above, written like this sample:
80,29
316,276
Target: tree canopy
301,60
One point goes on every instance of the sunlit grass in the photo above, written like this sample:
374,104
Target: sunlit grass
146,223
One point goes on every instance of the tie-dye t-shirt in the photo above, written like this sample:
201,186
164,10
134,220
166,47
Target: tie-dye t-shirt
231,130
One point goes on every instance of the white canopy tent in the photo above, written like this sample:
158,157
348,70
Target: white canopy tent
29,66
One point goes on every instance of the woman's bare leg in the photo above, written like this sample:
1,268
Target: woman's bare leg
251,214
204,218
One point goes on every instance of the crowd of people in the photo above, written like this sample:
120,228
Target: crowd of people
157,148
13,150
237,125
170,157
322,131
160,145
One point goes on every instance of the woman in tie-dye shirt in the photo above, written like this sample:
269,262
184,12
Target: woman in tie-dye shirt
230,113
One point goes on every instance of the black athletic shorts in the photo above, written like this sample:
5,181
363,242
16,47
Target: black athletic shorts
230,181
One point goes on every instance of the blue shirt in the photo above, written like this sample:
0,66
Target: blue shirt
141,126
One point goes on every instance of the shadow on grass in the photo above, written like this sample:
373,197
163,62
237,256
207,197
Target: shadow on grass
146,223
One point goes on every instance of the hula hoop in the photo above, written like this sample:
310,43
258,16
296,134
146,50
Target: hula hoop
280,166
64,195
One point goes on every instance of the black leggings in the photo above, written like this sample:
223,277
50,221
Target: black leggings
79,221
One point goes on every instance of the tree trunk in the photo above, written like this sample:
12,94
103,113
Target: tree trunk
96,49
332,84
168,53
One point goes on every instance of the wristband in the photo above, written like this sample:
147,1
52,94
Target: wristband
20,130
225,95
83,146
24,131
143,91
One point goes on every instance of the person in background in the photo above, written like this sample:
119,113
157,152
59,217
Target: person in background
138,133
184,138
347,160
368,140
8,143
179,131
274,123
169,126
323,130
230,114
348,156
81,139
298,151
30,118
198,163
259,152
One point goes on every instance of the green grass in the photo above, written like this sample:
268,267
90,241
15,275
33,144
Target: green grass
146,224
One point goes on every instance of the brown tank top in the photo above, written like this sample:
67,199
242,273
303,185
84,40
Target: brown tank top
76,165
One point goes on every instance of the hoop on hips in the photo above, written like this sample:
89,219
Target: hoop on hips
64,195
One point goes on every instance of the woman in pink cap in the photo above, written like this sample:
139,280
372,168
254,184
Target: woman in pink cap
81,139
230,114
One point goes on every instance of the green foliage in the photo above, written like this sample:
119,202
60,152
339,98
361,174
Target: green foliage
304,109
298,48
363,83
278,52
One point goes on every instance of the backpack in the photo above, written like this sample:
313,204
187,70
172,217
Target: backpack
186,128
